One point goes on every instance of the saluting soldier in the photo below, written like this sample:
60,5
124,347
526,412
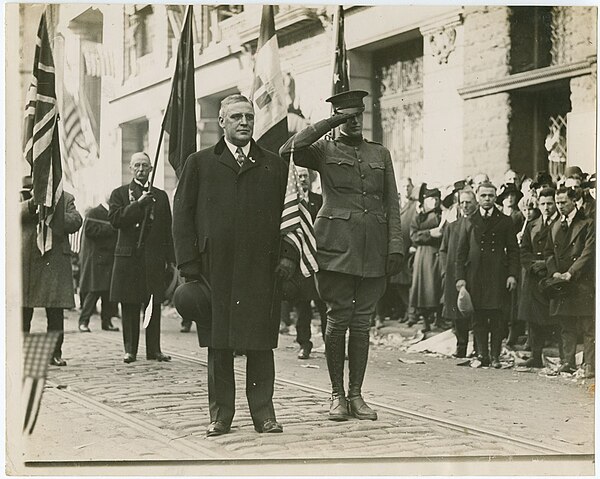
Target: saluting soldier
358,239
487,263
570,256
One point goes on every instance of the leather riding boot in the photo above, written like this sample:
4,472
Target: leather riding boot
358,355
335,352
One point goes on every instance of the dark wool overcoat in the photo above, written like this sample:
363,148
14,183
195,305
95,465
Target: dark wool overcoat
574,251
139,273
228,219
426,289
487,255
448,266
47,280
534,305
97,251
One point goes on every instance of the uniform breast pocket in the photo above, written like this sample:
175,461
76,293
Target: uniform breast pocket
339,172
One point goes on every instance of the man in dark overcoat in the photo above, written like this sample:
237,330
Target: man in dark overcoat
46,279
570,256
358,239
462,324
227,214
533,304
487,264
97,256
138,275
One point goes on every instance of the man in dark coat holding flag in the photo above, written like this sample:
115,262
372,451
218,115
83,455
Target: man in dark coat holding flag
226,228
359,240
138,275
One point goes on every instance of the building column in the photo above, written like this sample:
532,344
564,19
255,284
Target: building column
581,123
443,68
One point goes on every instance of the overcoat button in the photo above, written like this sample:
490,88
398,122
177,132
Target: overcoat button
366,211
364,193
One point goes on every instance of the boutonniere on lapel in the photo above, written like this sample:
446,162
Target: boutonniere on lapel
252,159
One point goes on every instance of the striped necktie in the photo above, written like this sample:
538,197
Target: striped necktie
240,158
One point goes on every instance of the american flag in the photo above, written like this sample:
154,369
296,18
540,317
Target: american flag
38,348
41,143
341,80
296,222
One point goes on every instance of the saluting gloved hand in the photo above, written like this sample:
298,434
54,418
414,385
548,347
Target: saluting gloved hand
338,119
394,264
191,270
286,268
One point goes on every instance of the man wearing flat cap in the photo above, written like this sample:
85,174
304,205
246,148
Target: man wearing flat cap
358,235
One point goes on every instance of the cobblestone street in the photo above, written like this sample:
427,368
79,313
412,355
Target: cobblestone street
102,410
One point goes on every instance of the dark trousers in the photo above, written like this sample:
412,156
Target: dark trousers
304,309
107,307
461,331
486,323
570,326
539,334
131,328
260,381
55,318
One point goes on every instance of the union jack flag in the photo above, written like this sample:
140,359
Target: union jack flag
41,141
296,222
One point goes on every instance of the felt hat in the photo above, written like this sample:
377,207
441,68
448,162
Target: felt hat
192,301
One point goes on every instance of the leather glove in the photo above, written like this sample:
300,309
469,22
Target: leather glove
285,269
191,270
338,119
393,264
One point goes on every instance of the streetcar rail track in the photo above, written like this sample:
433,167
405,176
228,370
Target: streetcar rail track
534,446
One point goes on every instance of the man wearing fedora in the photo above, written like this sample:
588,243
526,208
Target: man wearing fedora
138,275
570,256
358,235
487,264
226,219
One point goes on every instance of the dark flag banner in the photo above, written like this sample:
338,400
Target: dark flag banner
341,79
180,117
41,146
268,91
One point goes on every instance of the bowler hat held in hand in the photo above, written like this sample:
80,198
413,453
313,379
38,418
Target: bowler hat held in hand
464,302
192,301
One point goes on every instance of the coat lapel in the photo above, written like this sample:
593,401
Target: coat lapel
224,155
576,226
254,158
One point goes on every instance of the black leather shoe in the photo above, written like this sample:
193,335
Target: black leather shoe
269,425
160,357
185,328
217,428
533,363
57,361
84,328
304,352
567,368
128,358
109,327
496,364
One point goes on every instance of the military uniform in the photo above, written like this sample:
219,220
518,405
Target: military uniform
356,229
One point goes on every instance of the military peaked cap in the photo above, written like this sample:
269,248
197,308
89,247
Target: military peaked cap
352,99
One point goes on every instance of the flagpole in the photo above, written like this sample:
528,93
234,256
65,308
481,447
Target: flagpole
160,140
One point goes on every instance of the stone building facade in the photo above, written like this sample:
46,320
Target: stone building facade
454,90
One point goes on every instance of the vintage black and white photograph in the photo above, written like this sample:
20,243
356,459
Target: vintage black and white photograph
300,239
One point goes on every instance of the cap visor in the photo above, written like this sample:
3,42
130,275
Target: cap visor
349,110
